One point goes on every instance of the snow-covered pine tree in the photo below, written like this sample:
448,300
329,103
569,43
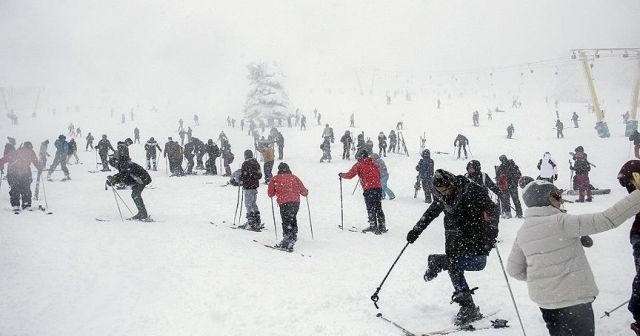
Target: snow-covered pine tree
267,98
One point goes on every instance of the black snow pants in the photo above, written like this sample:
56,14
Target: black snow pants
136,195
20,189
289,213
373,201
570,321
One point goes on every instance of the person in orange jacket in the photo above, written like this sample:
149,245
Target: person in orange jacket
19,174
369,175
287,188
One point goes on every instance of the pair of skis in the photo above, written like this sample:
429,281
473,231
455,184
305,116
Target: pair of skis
479,325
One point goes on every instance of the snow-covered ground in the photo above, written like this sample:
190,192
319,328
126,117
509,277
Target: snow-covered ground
68,274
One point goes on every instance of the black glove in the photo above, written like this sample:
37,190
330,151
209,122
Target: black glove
586,241
110,181
413,235
555,177
340,175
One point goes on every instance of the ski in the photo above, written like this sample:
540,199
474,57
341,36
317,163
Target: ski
262,227
280,248
102,220
473,326
146,220
403,329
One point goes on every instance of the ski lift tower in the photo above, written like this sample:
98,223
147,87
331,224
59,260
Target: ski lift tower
586,54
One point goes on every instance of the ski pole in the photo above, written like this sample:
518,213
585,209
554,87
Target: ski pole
1,177
309,210
235,213
241,201
470,153
608,313
96,152
44,194
355,187
166,166
341,207
116,199
375,297
510,292
273,214
120,197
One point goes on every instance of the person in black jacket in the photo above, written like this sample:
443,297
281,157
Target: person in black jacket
213,153
475,174
131,174
425,174
103,148
471,227
582,167
150,147
347,142
461,142
250,176
189,148
199,151
635,137
507,175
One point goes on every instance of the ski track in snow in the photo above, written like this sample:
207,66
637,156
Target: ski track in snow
67,274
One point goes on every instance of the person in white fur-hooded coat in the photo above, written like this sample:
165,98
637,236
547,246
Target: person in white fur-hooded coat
548,168
548,254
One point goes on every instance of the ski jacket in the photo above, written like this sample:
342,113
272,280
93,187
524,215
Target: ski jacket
425,168
250,174
381,165
131,174
368,172
122,154
103,147
280,139
470,219
581,164
484,180
392,139
635,137
547,167
19,161
73,147
508,174
460,141
328,133
287,188
151,147
188,150
346,141
213,151
172,150
267,153
62,147
382,140
559,125
89,138
548,255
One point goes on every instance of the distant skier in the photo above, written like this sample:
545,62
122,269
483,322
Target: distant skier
382,144
476,118
559,128
213,152
227,157
369,175
461,142
280,142
384,176
347,143
393,141
575,120
196,120
250,180
425,170
173,152
43,153
182,133
136,135
265,147
19,175
510,130
189,147
103,148
199,151
150,147
507,176
635,137
548,169
352,120
582,166
326,150
133,175
471,227
122,119
189,133
180,124
62,150
303,123
328,133
287,188
73,151
89,144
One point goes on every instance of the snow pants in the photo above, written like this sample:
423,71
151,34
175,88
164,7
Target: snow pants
382,150
61,160
508,195
136,195
461,148
151,158
289,213
189,164
373,201
210,166
427,187
88,146
103,159
250,197
20,189
268,171
584,187
634,301
281,150
570,321
385,189
346,152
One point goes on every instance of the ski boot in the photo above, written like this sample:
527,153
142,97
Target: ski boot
436,263
65,178
247,224
371,228
468,312
256,223
381,229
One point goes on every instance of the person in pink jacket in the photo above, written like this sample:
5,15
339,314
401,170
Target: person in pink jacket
287,188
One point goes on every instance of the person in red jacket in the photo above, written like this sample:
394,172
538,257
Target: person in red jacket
369,175
19,174
287,188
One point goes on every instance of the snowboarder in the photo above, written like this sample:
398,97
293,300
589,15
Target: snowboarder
393,140
173,152
62,150
548,169
150,147
382,144
347,143
136,135
89,144
425,175
103,148
575,120
213,153
510,130
384,176
461,142
131,174
559,128
250,180
19,175
550,239
287,188
581,167
471,227
369,175
507,176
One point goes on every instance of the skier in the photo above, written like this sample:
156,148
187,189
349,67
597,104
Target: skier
62,148
78,132
189,147
461,142
173,152
548,169
180,124
475,174
227,157
425,175
252,127
575,120
347,142
319,119
136,135
581,166
122,119
10,146
489,114
19,174
369,175
360,142
265,147
150,147
103,150
72,130
393,140
303,122
181,133
250,179
131,174
507,176
73,151
382,144
471,227
510,130
43,153
189,133
548,242
280,142
89,144
635,137
327,132
326,150
368,145
287,188
122,150
196,120
476,118
384,176
199,151
559,128
352,120
213,153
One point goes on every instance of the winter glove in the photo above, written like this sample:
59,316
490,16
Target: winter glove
586,241
340,175
555,177
110,181
413,235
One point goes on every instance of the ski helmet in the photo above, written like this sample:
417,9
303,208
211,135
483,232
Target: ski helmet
426,153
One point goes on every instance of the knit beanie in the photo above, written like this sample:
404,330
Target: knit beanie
536,193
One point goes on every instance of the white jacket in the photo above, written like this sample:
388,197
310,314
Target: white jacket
547,253
547,167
